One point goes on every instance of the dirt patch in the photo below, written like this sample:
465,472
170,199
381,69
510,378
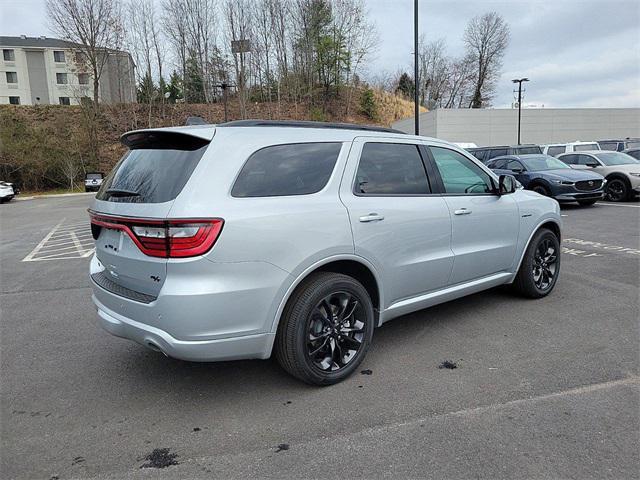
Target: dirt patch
448,365
160,458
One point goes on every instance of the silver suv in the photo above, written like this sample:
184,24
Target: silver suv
246,238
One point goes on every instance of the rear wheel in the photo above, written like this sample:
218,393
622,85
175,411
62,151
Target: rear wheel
326,329
587,203
540,266
617,190
542,190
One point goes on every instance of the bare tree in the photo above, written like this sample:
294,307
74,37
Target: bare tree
239,27
486,38
95,26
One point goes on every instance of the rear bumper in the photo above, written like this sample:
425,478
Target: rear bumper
205,311
233,348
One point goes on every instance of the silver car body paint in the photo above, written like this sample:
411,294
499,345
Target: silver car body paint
227,303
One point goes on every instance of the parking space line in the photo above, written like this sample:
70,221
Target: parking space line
617,205
63,242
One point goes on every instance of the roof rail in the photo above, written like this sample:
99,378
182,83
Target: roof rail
306,124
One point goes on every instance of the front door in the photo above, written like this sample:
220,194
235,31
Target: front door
485,226
398,224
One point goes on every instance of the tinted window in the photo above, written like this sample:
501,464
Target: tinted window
527,150
391,168
500,163
586,160
155,169
479,154
294,169
613,146
634,153
555,151
615,158
459,174
585,146
514,165
497,152
570,159
633,144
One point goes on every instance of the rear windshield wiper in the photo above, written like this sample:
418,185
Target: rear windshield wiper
116,192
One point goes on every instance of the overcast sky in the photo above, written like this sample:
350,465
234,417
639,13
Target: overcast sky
577,53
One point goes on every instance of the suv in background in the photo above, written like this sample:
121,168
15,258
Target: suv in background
92,181
484,154
556,149
550,177
619,145
220,242
634,152
6,192
622,171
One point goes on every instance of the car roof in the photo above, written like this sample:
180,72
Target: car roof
300,131
522,156
588,152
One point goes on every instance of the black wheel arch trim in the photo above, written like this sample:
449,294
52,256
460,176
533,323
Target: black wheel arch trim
549,224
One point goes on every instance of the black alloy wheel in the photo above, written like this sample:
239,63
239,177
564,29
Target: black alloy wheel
542,190
335,331
617,190
545,264
326,329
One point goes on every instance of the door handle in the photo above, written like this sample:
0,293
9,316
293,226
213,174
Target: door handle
372,217
462,211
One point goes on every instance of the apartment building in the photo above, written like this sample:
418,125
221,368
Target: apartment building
42,70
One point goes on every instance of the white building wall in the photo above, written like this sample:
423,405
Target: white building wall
21,89
543,125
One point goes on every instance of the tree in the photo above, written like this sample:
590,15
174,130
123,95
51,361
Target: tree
406,85
174,88
486,38
94,26
193,83
368,104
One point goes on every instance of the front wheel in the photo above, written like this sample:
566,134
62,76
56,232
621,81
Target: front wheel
326,329
540,266
617,190
587,203
542,190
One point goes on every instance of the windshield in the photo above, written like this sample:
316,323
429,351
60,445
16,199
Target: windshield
615,158
583,147
543,162
94,176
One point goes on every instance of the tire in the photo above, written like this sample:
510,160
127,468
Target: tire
618,190
587,203
542,190
312,311
535,264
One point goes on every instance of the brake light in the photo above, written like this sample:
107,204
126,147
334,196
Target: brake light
164,238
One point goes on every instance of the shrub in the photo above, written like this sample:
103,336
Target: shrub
368,104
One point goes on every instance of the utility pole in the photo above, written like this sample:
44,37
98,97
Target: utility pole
519,82
416,112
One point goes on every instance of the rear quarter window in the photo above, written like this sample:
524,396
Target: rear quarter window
555,151
291,169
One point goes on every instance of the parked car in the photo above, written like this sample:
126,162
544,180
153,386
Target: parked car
558,148
484,154
93,181
549,176
622,171
6,192
301,237
619,145
634,152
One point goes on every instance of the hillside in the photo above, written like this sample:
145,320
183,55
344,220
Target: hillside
48,146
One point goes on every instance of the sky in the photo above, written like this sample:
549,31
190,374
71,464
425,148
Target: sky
576,53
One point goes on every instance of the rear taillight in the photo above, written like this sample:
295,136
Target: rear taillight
163,238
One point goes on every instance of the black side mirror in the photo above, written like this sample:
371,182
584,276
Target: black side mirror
592,164
517,171
506,184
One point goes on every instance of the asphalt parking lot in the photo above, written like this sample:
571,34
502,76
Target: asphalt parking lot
546,388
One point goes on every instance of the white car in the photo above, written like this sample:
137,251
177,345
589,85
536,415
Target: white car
556,149
6,192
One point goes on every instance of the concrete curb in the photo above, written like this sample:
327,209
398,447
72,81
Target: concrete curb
54,195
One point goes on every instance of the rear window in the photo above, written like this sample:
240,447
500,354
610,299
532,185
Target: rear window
612,146
155,169
528,150
292,169
93,176
557,150
585,147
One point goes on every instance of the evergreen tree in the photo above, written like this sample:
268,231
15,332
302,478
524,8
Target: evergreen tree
193,83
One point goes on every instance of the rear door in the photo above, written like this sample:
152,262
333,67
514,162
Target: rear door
484,226
143,185
398,224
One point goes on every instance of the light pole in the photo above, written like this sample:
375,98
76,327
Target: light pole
416,106
519,82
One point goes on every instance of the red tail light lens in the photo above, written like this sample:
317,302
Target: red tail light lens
164,238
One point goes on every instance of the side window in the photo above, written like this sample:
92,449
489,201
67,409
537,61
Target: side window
570,159
497,163
498,152
293,169
586,160
391,168
556,150
459,174
515,165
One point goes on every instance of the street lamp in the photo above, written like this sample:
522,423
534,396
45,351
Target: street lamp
519,82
